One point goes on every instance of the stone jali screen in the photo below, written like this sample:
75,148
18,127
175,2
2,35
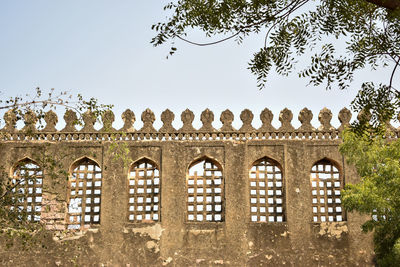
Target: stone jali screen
266,192
84,196
326,183
27,183
205,192
144,192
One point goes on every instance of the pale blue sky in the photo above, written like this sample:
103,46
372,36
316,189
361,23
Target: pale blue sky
101,48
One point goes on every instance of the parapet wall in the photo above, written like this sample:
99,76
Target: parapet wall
187,197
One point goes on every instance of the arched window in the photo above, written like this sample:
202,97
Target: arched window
27,184
326,183
84,196
205,192
267,202
144,192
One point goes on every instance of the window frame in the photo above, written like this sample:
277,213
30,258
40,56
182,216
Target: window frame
72,178
204,212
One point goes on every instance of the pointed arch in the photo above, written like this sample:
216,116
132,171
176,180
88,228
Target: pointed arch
22,161
326,184
205,191
203,158
27,182
81,161
144,191
84,194
267,198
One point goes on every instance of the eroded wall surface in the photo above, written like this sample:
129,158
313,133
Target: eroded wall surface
296,235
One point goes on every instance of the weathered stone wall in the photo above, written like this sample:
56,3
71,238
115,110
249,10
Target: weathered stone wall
172,240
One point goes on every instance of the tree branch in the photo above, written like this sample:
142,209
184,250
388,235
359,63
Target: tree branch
211,43
393,72
296,4
10,189
388,4
36,102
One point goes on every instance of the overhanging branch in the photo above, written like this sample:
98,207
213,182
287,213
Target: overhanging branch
389,4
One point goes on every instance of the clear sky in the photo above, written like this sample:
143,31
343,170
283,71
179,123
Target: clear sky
101,49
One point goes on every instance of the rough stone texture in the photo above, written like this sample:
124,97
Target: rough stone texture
172,241
227,119
51,120
10,119
305,117
89,119
129,118
167,117
285,117
107,119
148,119
30,121
344,118
207,117
266,117
325,117
70,119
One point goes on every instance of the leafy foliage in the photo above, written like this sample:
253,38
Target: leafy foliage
42,101
370,31
13,222
294,28
16,223
378,193
380,102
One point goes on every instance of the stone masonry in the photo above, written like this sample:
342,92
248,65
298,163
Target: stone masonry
185,197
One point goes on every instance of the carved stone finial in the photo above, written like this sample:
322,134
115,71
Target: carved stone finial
108,118
89,120
167,117
51,120
70,119
344,118
10,117
187,118
246,117
398,118
266,117
325,117
207,117
148,119
30,120
227,119
305,117
364,116
285,117
129,119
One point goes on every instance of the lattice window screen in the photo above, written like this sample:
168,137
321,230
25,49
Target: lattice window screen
84,195
144,192
27,182
267,201
205,192
326,183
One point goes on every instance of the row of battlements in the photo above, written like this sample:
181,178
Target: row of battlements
286,130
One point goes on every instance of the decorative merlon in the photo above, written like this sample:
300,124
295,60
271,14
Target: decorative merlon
187,132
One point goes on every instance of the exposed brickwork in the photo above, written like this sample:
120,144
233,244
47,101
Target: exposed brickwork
53,212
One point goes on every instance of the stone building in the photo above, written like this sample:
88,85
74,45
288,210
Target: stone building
185,197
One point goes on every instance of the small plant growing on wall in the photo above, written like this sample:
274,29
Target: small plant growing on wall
23,201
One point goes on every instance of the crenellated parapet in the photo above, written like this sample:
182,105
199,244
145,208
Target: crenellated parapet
194,194
187,132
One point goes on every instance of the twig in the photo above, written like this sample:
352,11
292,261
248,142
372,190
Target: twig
14,186
295,7
394,70
212,43
35,102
